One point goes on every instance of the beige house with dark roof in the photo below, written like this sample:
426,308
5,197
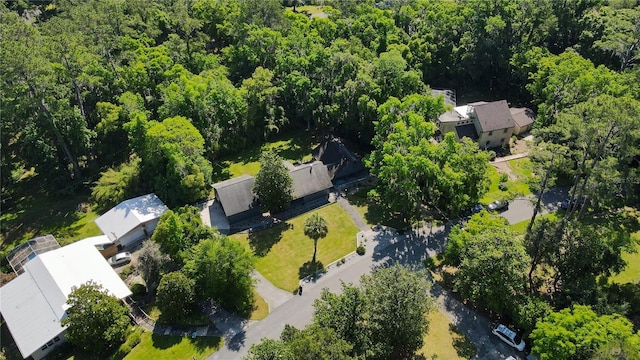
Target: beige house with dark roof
523,118
491,124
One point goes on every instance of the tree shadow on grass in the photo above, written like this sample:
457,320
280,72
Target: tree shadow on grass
465,348
164,341
376,213
308,269
201,343
261,242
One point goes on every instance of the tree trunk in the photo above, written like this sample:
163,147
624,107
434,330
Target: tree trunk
59,138
539,200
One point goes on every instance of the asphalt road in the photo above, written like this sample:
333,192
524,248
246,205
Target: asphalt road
385,247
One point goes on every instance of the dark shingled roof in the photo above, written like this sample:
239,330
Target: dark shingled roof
468,130
522,116
494,116
236,195
339,161
309,179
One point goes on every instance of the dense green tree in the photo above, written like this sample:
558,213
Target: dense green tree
415,171
169,234
222,271
264,115
173,159
315,227
383,319
151,263
315,342
273,185
478,224
175,296
117,185
578,332
96,321
620,33
269,349
492,270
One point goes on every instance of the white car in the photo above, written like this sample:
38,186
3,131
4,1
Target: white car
119,259
509,336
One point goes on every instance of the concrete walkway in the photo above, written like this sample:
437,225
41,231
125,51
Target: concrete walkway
510,157
270,293
353,213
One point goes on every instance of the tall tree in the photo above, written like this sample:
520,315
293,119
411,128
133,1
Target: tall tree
578,332
96,321
151,262
492,271
169,234
175,296
315,227
273,185
409,164
222,271
385,318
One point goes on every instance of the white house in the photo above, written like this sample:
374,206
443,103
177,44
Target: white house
34,303
132,220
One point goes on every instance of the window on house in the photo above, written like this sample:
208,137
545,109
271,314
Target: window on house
502,141
490,133
488,142
505,131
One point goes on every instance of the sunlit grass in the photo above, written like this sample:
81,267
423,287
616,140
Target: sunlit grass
444,340
284,252
154,347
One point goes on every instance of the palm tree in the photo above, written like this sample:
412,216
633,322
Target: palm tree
315,227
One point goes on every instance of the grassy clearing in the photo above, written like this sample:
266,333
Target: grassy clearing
521,227
40,213
195,318
283,253
260,309
631,273
154,346
294,148
522,169
445,341
311,10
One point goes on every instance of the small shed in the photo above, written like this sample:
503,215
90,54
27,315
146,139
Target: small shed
311,182
236,198
523,118
132,220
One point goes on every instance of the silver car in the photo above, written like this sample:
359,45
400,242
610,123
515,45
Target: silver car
119,259
509,336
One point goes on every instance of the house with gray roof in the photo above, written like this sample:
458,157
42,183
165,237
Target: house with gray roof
236,198
133,220
311,182
491,124
340,162
523,118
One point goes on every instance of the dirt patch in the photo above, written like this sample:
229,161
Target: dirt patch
522,145
504,168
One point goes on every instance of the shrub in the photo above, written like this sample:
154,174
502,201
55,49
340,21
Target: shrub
361,250
492,155
502,187
138,289
504,178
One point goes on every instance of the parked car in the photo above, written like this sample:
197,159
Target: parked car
119,259
567,203
498,205
477,208
509,336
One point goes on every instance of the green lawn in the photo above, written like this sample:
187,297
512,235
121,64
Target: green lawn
521,227
371,212
154,347
313,10
284,253
260,309
522,169
294,148
445,341
631,274
40,213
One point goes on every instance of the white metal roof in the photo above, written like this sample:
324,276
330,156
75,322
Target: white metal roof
34,303
127,215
